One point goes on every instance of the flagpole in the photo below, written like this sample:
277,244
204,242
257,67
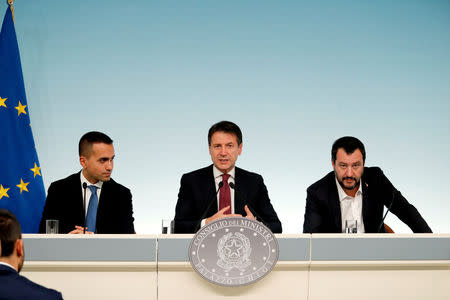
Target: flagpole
10,3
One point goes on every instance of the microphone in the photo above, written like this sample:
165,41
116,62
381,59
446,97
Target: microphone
209,206
231,184
394,192
84,207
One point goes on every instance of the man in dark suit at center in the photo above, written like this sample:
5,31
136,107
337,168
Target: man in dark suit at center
12,285
108,206
242,193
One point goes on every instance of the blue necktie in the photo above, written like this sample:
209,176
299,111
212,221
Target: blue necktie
91,217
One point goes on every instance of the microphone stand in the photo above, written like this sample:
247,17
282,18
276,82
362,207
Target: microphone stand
84,207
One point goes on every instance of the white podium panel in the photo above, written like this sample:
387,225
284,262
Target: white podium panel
380,280
380,266
94,280
93,266
179,281
313,267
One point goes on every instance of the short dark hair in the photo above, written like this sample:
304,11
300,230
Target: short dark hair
10,232
86,141
228,127
349,144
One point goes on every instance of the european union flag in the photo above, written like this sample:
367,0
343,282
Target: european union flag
21,187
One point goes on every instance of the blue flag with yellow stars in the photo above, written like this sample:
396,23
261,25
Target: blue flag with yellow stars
21,187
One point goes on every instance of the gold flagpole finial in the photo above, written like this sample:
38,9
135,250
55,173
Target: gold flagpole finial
10,3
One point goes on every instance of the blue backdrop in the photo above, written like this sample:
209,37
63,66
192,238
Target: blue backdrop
295,75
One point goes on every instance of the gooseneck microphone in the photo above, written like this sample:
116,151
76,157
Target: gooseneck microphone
209,206
394,192
84,207
231,184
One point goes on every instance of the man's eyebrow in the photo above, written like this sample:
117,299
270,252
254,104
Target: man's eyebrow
107,158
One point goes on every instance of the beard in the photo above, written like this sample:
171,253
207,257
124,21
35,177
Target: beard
341,182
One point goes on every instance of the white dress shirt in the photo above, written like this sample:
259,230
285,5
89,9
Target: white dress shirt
351,207
217,179
88,190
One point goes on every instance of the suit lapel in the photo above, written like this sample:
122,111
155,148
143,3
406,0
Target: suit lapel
210,190
241,194
102,200
334,203
78,194
365,202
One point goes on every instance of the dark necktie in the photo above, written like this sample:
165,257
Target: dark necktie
225,195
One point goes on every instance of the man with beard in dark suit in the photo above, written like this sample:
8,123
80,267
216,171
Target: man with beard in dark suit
108,206
12,285
242,193
354,192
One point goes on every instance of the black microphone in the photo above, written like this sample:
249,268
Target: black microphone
231,184
84,207
394,192
209,206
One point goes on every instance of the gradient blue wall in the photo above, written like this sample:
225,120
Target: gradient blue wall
295,75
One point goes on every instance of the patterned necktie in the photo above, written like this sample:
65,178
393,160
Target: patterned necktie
91,216
225,195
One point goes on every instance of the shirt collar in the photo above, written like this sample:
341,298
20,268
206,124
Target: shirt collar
218,173
99,184
342,195
8,265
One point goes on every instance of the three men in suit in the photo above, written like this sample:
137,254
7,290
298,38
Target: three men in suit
108,207
222,190
12,285
355,192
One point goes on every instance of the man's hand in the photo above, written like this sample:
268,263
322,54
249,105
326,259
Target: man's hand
249,213
221,214
79,230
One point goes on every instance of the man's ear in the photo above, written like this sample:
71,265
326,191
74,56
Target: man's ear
83,161
19,247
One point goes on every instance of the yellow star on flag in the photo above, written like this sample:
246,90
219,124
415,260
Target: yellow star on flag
23,186
2,101
20,109
36,170
3,192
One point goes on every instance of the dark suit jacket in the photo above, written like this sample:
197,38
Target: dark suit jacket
13,286
65,203
198,190
323,210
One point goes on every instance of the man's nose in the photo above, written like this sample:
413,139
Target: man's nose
349,172
223,151
109,165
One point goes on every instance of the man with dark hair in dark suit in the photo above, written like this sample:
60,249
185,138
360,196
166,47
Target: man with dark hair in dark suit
108,206
354,192
242,193
12,285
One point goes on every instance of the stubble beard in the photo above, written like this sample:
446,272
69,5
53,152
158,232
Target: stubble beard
341,182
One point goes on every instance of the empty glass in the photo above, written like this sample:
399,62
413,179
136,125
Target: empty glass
351,226
51,226
167,227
